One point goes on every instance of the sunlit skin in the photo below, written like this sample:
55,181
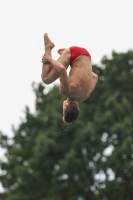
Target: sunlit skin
81,81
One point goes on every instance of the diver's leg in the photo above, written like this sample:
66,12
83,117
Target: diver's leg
46,67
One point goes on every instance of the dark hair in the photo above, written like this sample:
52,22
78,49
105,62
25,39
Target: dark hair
71,113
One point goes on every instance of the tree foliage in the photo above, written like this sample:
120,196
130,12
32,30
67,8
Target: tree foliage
91,158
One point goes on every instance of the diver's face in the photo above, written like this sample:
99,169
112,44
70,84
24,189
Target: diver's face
65,105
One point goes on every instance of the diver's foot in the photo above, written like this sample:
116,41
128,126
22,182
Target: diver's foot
48,42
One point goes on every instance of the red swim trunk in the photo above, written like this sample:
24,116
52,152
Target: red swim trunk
76,52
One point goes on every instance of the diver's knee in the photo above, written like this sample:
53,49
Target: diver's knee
45,80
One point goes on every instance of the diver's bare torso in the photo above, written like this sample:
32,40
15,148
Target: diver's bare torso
80,79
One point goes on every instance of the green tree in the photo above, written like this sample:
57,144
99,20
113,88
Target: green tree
91,158
118,119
